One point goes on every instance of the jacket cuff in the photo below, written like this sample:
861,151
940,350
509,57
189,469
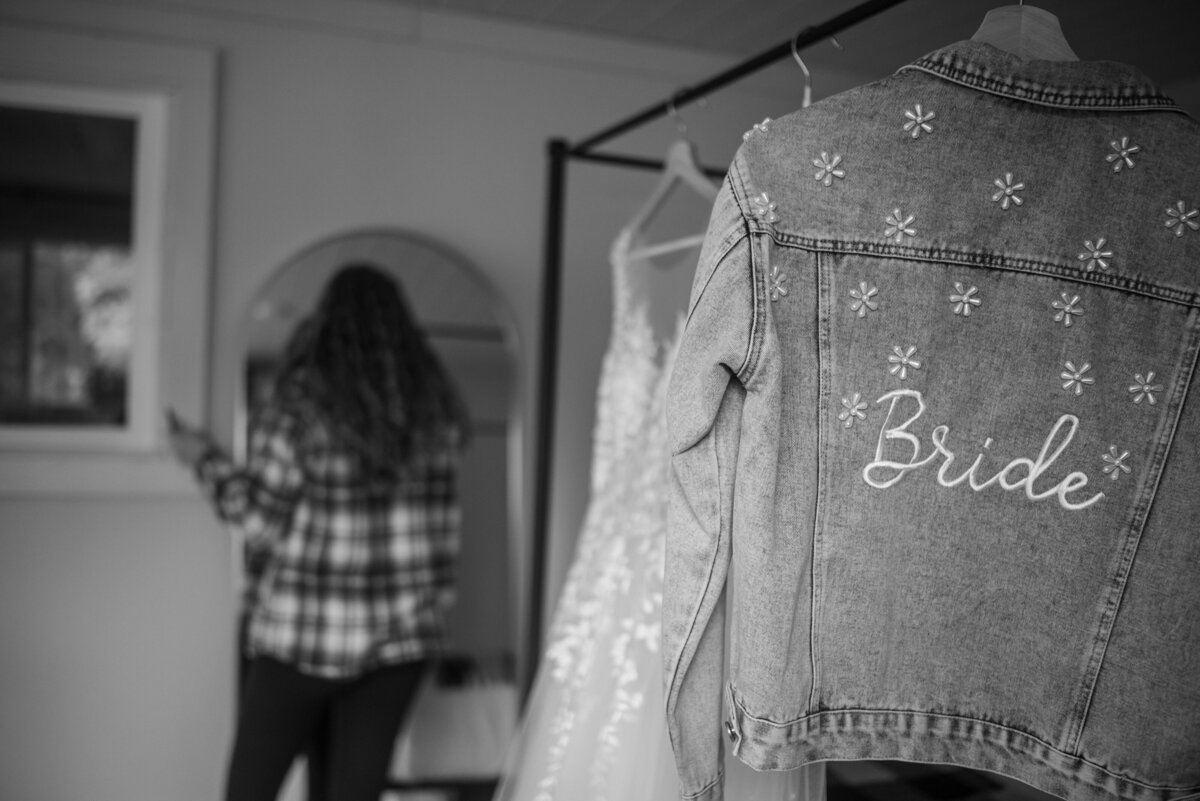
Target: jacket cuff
713,792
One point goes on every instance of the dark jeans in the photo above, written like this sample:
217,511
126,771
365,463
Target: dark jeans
347,728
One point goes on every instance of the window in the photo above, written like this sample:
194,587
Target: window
73,264
105,181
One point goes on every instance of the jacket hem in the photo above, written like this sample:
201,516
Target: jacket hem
924,737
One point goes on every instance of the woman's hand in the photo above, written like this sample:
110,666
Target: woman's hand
188,442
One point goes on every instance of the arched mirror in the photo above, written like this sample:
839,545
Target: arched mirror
472,331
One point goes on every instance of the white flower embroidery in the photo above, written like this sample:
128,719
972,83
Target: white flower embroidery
1121,158
1066,309
853,408
1008,191
1095,255
902,360
778,279
964,300
1178,217
862,299
1074,379
1114,465
828,169
759,127
918,121
764,208
1144,388
899,226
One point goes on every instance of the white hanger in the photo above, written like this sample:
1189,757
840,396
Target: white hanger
680,166
806,98
1027,32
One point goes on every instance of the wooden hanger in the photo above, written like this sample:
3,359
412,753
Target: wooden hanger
1027,32
680,167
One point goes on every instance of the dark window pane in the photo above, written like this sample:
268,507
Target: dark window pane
66,272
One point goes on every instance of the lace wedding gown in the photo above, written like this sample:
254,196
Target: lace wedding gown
595,727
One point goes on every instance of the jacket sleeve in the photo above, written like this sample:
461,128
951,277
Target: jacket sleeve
705,393
257,498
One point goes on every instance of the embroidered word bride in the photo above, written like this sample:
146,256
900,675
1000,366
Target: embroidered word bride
1019,473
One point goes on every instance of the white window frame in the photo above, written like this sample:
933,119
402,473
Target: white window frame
149,114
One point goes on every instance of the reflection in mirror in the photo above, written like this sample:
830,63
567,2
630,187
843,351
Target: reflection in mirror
473,335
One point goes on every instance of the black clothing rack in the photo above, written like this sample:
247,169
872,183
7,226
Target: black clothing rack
559,152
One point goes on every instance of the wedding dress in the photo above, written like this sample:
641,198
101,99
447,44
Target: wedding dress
595,727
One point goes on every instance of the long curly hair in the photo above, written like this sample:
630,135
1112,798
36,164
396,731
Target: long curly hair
362,364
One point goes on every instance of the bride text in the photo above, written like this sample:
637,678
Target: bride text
1020,473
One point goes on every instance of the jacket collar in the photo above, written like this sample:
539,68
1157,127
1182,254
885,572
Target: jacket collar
1075,85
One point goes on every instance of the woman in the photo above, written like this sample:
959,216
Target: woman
348,504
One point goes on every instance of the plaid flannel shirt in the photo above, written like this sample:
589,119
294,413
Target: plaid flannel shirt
343,574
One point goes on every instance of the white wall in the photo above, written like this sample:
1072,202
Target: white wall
116,611
116,660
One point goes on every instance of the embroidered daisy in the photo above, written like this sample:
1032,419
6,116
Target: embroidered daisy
764,208
1114,465
1095,256
1179,217
1008,191
759,127
1143,388
899,226
778,280
853,408
1121,158
1067,309
918,122
902,360
828,169
964,299
862,299
1074,379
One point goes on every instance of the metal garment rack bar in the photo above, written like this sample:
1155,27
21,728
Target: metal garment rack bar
559,152
810,35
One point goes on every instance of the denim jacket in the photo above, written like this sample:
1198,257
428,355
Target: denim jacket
935,434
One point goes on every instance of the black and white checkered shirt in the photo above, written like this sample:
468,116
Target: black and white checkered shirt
343,574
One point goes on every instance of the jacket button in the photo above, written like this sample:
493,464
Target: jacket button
731,730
